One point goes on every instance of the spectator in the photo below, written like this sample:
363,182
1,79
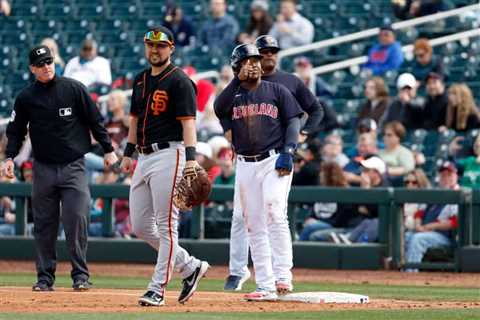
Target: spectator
204,157
327,216
303,69
307,164
332,150
227,173
406,107
362,221
462,114
117,124
220,30
366,147
5,8
259,24
386,54
399,159
433,226
415,179
425,61
290,28
57,58
122,225
373,176
89,68
435,109
217,143
181,27
7,213
226,75
377,102
471,167
407,9
205,118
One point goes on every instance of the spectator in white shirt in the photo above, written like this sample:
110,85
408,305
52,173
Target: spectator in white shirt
291,29
89,68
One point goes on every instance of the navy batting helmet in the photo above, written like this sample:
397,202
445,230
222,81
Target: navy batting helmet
242,52
267,42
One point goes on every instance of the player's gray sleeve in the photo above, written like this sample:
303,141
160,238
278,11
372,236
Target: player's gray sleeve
292,131
315,117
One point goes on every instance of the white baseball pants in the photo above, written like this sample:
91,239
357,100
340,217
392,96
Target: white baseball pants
154,217
263,197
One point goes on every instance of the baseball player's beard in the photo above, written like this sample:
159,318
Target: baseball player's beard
160,63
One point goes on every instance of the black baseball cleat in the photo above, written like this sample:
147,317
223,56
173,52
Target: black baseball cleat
151,298
190,283
42,286
81,285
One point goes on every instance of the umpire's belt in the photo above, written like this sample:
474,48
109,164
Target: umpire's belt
258,157
151,148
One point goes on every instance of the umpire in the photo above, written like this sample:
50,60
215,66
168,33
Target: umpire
59,115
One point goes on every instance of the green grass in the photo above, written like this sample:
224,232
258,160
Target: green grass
424,293
330,315
416,293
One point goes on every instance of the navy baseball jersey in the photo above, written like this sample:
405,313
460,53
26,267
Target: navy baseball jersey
302,94
259,117
160,102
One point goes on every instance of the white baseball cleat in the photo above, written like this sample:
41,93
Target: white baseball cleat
261,295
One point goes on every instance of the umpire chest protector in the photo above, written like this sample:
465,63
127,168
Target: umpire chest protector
160,102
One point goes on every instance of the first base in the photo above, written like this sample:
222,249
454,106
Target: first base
324,297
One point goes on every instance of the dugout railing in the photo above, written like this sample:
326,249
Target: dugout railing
313,254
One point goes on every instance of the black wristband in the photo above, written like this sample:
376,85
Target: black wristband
129,150
190,153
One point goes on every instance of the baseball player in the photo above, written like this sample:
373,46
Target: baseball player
268,48
263,122
59,115
162,130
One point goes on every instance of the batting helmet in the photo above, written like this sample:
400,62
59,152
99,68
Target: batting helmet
267,42
242,52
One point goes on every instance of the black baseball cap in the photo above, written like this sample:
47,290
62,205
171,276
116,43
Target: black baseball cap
434,75
39,54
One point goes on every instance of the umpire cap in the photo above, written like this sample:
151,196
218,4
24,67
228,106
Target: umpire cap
267,42
39,54
242,52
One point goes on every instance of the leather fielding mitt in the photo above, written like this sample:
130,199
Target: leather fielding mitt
193,188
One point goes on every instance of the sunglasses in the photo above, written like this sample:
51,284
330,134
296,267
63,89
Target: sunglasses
268,51
157,36
409,181
42,63
420,54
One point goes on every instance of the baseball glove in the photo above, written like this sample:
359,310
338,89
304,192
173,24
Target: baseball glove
193,189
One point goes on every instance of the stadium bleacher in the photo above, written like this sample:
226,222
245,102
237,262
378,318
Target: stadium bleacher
118,26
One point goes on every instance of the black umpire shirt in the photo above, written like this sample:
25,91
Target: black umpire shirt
60,116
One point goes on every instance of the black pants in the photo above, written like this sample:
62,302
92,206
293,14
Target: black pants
60,191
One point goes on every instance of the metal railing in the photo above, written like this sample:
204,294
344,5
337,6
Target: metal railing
374,31
407,48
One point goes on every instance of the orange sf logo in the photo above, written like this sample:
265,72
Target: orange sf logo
159,104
